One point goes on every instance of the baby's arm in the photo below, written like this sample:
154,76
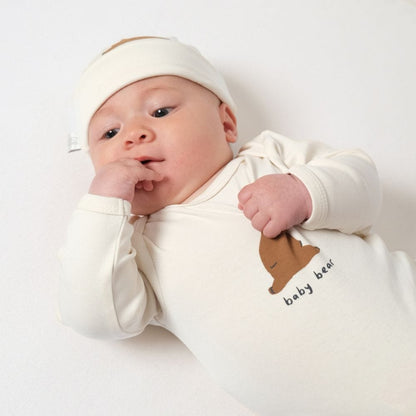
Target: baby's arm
102,293
343,186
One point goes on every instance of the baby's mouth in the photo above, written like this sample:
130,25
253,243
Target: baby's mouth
149,160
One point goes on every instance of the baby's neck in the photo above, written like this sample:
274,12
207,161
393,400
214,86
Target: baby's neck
202,188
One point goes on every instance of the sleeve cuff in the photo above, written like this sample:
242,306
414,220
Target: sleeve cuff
104,205
317,192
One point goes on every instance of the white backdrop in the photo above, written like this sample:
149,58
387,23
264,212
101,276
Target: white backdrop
338,71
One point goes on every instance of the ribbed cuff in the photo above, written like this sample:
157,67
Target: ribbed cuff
317,192
104,205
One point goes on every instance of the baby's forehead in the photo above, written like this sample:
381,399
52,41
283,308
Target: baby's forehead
161,86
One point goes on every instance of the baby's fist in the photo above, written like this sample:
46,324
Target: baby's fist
122,177
274,203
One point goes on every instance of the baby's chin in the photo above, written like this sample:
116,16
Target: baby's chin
149,202
143,208
163,195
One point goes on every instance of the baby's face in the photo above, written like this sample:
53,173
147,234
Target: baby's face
180,128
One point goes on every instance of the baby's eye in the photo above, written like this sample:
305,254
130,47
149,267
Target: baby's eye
162,112
110,133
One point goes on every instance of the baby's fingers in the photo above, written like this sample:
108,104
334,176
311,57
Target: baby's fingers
145,181
244,195
145,174
250,209
272,229
158,177
147,185
259,221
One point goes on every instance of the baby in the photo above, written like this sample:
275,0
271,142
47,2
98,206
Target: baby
262,263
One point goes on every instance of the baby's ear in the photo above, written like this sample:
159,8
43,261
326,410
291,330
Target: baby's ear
229,122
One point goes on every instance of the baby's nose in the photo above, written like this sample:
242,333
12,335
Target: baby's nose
139,135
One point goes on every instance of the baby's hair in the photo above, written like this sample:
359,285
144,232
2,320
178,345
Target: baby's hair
129,40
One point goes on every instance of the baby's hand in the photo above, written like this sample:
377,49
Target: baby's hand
120,178
274,203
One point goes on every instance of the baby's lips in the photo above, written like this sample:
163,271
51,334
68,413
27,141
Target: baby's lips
145,160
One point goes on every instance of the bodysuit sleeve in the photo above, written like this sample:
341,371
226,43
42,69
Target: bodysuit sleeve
343,184
102,293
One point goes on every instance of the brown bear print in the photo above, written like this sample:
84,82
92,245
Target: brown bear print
283,257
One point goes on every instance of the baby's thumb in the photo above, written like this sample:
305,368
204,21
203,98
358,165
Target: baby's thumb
158,177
